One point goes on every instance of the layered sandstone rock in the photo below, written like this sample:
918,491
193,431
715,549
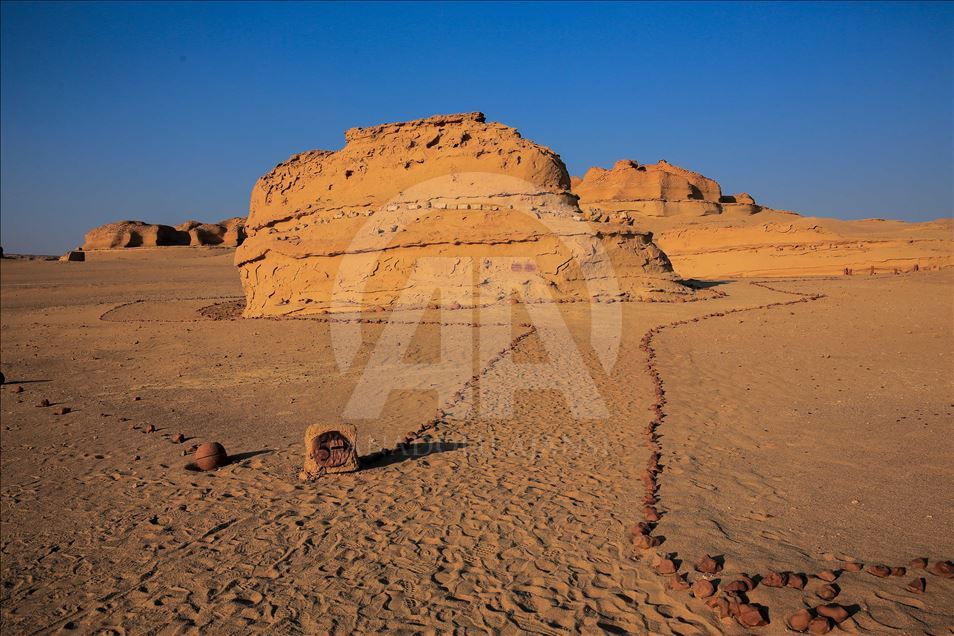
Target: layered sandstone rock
660,189
123,234
450,201
707,234
133,234
777,243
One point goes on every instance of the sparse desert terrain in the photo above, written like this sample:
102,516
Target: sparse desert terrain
804,425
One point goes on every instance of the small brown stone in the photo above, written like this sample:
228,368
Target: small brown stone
708,565
151,428
735,604
720,606
63,410
827,592
736,586
678,583
741,585
881,571
944,569
800,620
833,611
666,566
898,571
819,625
650,513
775,579
797,581
43,403
179,438
750,616
703,588
853,566
18,389
641,528
646,541
827,575
920,563
917,585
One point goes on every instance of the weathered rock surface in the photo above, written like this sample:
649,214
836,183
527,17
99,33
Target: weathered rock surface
122,234
450,201
659,189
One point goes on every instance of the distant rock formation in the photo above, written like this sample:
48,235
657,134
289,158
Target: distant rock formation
451,186
73,256
707,234
122,234
660,189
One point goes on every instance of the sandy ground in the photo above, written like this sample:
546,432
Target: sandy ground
795,437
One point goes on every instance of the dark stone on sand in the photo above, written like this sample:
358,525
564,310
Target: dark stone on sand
800,620
708,565
703,588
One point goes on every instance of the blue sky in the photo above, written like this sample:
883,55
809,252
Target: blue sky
165,112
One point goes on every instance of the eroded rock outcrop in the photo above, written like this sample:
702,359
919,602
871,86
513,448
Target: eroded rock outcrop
133,234
659,189
480,206
707,234
123,234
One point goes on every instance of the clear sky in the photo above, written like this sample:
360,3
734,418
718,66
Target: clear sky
166,112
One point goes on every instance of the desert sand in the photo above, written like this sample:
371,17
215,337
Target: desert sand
808,429
626,403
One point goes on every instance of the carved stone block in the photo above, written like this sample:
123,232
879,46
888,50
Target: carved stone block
330,449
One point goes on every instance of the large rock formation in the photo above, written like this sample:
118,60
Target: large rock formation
133,234
332,231
660,189
227,233
710,235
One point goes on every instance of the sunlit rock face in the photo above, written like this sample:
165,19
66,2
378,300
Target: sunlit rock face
449,201
659,189
123,234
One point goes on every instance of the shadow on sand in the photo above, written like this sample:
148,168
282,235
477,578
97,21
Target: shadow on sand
414,451
703,284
